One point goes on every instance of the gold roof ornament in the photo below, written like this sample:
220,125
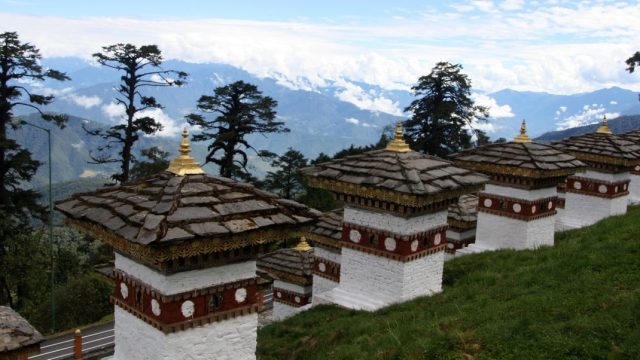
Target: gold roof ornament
398,144
522,138
184,163
303,245
604,127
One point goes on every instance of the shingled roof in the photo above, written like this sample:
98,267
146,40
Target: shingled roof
194,210
601,148
520,157
291,265
465,210
328,230
633,136
17,336
401,176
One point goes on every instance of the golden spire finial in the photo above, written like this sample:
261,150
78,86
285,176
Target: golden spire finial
604,126
303,245
184,163
398,144
522,137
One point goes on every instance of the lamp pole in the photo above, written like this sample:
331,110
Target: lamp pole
52,264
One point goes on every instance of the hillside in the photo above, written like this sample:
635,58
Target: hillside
618,125
577,300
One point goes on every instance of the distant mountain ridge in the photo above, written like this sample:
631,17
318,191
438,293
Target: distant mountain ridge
619,125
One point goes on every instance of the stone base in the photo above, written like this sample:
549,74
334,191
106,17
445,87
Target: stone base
499,232
584,210
230,339
369,282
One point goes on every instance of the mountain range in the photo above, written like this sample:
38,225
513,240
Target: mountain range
323,118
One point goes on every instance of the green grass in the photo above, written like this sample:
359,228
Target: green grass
577,300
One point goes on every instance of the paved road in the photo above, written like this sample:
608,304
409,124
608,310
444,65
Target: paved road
61,347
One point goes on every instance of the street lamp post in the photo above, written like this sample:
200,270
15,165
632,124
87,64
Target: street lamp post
52,264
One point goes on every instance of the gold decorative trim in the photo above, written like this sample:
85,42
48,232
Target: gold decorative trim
326,241
303,245
389,195
462,225
155,255
603,159
516,171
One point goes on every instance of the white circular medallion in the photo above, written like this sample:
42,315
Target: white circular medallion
577,185
615,189
390,243
637,167
279,294
414,245
450,245
322,267
241,295
297,299
602,189
124,290
188,308
354,235
487,202
550,205
155,307
534,209
516,208
624,187
437,239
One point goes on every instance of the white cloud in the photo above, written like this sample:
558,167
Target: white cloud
564,48
78,145
563,108
371,100
495,110
589,115
113,110
85,101
352,121
512,4
87,173
613,102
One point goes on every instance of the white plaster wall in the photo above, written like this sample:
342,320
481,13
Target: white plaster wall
321,285
559,218
582,210
605,176
456,235
326,254
395,224
499,232
634,190
292,287
233,339
523,194
387,280
186,280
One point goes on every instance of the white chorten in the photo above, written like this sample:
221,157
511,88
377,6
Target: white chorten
517,208
186,246
394,223
603,190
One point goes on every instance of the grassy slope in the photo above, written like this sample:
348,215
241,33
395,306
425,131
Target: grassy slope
577,300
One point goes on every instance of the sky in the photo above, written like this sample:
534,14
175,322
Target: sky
554,46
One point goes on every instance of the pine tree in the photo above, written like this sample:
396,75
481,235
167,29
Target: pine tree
141,68
158,161
240,110
287,180
19,63
442,112
633,61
